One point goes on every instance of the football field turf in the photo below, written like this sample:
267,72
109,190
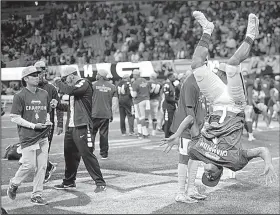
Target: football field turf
142,179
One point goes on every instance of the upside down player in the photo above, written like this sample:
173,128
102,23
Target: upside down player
218,145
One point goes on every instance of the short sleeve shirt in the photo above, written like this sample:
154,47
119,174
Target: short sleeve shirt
189,97
141,86
155,89
33,107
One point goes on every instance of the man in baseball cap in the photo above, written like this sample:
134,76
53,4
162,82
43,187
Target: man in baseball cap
30,111
78,142
102,73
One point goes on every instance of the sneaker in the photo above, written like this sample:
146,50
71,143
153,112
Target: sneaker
207,26
196,195
99,189
131,134
49,173
253,26
123,135
251,138
12,191
104,157
65,186
145,137
159,129
182,197
139,136
38,200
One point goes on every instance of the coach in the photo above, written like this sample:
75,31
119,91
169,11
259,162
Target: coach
104,97
77,140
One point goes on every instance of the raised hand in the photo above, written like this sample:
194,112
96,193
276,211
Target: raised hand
270,174
170,143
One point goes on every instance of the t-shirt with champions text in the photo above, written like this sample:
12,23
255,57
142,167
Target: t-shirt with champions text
33,107
103,92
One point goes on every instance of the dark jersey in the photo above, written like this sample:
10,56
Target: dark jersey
155,88
33,107
124,92
53,94
189,97
170,101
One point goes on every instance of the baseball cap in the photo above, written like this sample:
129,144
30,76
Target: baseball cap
136,72
102,73
126,76
211,181
40,64
29,70
68,71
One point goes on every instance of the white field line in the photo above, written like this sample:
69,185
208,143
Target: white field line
14,138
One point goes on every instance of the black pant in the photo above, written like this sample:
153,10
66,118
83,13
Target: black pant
75,147
50,137
102,125
168,118
125,111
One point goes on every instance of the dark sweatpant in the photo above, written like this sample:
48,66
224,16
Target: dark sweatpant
168,119
50,137
102,125
75,147
125,111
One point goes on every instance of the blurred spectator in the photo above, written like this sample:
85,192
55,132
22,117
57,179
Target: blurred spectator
155,30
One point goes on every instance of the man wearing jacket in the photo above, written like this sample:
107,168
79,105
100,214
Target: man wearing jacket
52,92
78,140
103,99
125,105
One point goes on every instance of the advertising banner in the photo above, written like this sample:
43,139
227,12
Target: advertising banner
260,65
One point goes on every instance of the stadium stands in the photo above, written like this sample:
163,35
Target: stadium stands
92,32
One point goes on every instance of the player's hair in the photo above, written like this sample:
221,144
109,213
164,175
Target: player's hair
23,82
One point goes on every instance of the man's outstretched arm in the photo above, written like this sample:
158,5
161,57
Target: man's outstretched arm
263,153
186,123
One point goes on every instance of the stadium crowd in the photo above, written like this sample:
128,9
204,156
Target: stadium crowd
92,32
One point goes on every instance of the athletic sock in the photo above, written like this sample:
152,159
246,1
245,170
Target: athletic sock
182,176
249,40
139,128
192,172
204,40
